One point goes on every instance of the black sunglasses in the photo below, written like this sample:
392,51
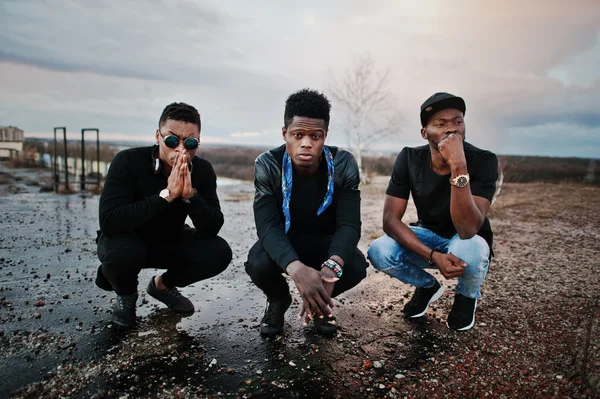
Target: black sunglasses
172,141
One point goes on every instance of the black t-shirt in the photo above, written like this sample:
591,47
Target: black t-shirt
412,174
307,196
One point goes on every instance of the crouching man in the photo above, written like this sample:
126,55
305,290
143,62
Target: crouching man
148,194
307,213
452,184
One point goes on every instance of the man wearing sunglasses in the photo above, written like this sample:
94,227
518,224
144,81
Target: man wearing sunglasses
307,213
148,194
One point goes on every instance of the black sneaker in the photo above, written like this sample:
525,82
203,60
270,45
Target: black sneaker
462,315
172,298
272,321
102,281
421,299
326,325
123,315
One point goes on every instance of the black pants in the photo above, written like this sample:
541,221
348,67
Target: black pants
188,258
312,251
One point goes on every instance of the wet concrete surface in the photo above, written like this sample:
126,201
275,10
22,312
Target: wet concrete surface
56,339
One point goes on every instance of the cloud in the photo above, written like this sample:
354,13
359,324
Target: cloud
553,139
115,66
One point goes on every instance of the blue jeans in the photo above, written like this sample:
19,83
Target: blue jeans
391,258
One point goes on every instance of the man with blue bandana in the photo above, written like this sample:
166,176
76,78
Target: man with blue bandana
307,214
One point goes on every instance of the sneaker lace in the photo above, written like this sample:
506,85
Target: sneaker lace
420,294
175,292
273,309
126,301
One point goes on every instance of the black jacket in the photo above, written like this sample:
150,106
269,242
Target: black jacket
269,216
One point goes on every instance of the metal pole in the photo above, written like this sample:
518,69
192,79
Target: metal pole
98,155
66,163
82,185
55,165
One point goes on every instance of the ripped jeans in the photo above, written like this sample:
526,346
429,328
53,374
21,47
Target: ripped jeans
391,258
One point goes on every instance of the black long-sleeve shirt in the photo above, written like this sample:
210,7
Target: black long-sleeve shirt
341,219
130,200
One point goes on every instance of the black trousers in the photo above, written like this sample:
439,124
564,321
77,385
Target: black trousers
312,251
188,258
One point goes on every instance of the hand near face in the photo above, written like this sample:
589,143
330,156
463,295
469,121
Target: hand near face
186,176
452,150
175,182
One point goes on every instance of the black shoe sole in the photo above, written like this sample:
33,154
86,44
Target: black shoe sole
326,333
271,333
122,326
181,312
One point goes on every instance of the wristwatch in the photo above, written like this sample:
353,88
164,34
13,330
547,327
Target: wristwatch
188,200
166,195
460,180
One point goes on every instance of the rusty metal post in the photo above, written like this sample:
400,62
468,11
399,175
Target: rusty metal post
55,176
66,162
98,156
83,155
82,180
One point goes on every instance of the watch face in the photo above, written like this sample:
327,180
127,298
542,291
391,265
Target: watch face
462,181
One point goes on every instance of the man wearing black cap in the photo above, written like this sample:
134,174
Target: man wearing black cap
452,184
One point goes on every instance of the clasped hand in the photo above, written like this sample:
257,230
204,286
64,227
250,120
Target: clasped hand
315,288
179,182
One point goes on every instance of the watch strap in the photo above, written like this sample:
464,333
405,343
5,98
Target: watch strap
460,180
164,193
188,200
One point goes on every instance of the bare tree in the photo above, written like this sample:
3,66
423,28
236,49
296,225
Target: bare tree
369,106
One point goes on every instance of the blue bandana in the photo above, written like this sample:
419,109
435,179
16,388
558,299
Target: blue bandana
286,185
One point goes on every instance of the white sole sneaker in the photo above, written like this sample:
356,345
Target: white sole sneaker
472,321
434,298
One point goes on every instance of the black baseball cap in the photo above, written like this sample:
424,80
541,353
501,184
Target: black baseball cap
438,102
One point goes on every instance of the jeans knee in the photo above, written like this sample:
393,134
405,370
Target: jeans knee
474,251
382,253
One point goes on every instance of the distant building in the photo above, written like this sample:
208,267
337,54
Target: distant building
11,141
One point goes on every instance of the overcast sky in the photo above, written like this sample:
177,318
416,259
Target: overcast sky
529,71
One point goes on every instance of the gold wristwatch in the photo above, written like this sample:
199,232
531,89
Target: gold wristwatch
460,180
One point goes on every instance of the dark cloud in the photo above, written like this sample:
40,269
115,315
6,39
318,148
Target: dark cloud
238,62
590,119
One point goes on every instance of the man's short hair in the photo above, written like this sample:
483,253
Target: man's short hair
307,103
180,112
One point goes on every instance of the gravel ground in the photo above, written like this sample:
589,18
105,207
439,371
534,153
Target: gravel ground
536,333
